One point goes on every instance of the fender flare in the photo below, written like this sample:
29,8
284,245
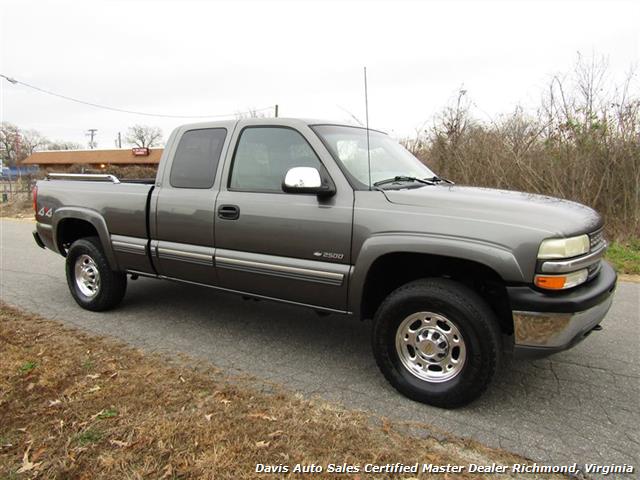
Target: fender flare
496,257
90,216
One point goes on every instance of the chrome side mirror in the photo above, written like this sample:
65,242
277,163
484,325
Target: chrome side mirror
307,180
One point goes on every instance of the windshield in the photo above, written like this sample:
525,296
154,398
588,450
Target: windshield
389,159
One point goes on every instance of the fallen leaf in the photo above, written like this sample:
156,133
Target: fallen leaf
93,376
119,443
262,416
208,417
53,403
94,389
262,444
93,417
26,464
38,454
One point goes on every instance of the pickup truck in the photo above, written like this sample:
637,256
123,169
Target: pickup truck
343,220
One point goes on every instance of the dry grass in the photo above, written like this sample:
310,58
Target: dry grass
18,206
78,406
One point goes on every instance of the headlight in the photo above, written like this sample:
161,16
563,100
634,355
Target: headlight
564,247
561,282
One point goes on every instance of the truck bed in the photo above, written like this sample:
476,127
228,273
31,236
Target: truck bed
122,205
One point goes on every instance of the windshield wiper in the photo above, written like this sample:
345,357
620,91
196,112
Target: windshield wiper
437,179
401,178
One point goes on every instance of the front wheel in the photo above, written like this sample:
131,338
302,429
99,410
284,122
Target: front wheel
437,342
92,282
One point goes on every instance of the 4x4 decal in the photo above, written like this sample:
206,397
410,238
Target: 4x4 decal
45,212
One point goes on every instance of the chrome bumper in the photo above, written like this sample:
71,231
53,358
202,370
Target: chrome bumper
542,333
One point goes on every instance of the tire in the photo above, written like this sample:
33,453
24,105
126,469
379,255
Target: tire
93,284
437,342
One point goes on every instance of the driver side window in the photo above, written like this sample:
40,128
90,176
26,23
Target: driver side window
265,154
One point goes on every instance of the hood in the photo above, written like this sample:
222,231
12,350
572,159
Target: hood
552,215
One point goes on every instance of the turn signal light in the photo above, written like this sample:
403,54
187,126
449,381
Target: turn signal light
551,282
561,282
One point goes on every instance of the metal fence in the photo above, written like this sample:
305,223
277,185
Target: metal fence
11,188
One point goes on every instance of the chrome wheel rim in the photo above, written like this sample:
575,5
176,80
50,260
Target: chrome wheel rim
431,347
87,276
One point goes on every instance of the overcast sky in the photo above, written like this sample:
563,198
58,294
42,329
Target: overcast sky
213,58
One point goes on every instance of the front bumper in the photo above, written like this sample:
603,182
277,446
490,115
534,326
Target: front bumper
545,323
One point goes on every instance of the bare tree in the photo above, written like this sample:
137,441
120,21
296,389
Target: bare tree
9,143
63,145
32,140
143,136
250,113
16,144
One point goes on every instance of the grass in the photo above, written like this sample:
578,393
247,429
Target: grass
625,257
87,437
139,415
28,366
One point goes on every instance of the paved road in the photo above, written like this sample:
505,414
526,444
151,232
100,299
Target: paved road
579,406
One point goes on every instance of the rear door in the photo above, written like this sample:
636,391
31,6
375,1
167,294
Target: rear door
183,227
294,247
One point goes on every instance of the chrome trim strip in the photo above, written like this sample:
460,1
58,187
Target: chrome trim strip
83,176
241,292
183,256
126,247
318,276
132,245
574,264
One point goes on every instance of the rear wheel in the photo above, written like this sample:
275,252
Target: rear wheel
437,342
92,282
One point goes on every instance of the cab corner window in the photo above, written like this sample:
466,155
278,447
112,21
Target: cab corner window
196,159
265,154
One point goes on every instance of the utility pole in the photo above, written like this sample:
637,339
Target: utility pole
91,133
276,111
119,141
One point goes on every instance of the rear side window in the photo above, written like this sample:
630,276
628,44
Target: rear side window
196,158
263,156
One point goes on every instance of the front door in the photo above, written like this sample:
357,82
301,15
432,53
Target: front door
294,247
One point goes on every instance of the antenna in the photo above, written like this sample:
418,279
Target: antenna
366,109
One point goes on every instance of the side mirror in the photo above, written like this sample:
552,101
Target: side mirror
307,180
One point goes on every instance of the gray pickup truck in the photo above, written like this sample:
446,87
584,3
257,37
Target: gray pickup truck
343,220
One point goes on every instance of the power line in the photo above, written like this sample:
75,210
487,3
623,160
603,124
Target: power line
122,110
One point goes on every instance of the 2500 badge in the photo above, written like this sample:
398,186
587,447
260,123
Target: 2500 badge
329,255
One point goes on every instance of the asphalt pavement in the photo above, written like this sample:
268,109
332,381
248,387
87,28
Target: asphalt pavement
580,406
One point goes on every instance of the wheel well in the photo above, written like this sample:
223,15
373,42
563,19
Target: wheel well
395,269
71,229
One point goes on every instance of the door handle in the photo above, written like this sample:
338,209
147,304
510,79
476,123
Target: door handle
229,212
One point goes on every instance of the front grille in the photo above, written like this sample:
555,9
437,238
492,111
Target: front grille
596,239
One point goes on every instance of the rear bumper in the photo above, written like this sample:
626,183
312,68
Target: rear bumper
545,323
37,239
43,236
